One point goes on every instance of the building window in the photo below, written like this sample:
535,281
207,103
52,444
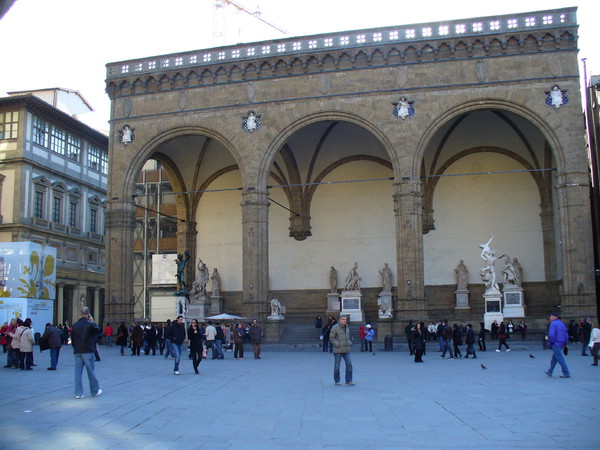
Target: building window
73,148
58,141
93,159
104,162
93,220
38,205
56,210
73,214
9,125
40,132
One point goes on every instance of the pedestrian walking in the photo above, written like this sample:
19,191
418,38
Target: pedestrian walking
418,340
340,339
108,332
594,343
457,340
447,337
318,326
176,335
470,340
84,337
586,332
52,339
122,335
256,338
239,333
522,329
481,338
197,350
502,337
369,336
408,331
558,337
219,339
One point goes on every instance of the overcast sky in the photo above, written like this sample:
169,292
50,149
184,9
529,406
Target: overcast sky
67,43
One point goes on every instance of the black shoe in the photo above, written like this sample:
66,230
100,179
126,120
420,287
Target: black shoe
562,376
50,368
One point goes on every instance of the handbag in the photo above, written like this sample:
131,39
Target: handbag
203,351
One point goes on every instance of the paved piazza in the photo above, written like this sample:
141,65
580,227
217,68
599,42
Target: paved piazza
288,400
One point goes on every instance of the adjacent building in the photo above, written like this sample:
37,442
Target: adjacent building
53,178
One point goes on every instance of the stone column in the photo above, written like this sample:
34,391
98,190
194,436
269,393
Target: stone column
255,259
578,296
97,315
410,304
549,239
120,224
60,302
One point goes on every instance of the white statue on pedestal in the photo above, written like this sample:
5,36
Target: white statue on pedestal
353,280
511,276
488,273
463,276
385,307
275,309
386,278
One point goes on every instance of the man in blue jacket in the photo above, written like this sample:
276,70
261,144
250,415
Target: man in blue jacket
84,337
557,339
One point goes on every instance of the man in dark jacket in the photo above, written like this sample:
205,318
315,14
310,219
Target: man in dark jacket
219,339
409,330
447,337
586,334
340,339
177,336
470,341
52,339
256,337
84,337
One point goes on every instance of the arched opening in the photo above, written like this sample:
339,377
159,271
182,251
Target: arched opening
489,172
331,194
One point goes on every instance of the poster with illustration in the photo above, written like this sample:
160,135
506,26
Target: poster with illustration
27,270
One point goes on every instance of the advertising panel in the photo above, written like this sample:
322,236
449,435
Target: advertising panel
27,270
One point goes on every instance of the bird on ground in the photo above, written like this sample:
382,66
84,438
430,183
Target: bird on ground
531,356
483,367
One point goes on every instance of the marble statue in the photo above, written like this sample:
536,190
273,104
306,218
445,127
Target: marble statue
333,279
216,283
488,273
518,270
275,307
181,262
384,304
386,278
202,277
511,277
353,280
463,276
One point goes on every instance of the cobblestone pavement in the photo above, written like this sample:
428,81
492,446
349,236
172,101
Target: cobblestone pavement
288,399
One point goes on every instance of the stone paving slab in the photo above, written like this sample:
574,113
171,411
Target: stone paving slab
288,400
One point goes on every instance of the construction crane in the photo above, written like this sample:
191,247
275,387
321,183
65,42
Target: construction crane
219,18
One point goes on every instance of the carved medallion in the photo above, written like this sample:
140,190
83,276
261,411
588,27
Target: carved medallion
183,99
325,84
127,107
556,97
126,135
252,122
403,108
481,71
251,91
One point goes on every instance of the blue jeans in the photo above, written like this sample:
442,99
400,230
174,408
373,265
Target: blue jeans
336,367
87,360
168,349
558,357
218,349
108,341
441,341
54,352
176,350
447,348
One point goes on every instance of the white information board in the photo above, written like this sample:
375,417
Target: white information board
164,269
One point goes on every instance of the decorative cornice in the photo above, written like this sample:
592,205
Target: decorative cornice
457,39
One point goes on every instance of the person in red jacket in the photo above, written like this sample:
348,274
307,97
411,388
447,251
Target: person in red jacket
108,332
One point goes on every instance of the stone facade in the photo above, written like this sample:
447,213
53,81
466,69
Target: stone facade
186,107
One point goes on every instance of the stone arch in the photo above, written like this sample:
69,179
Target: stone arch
285,134
487,104
151,146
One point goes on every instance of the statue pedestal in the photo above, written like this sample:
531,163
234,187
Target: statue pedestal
493,311
384,328
217,305
462,299
385,298
513,302
199,308
274,328
334,305
352,306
